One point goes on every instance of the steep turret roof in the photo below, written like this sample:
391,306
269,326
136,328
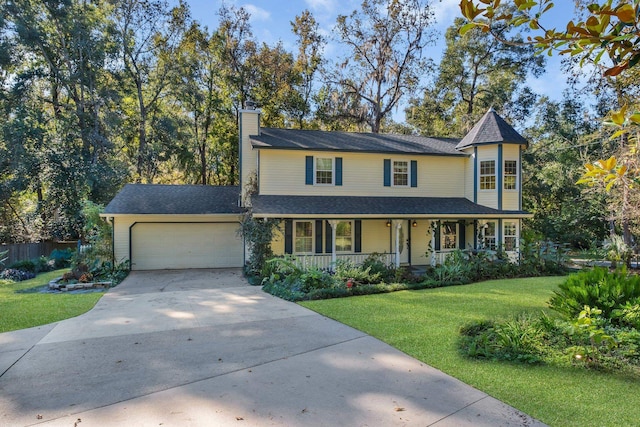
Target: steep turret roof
491,129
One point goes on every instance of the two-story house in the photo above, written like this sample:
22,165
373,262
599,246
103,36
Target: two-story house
339,195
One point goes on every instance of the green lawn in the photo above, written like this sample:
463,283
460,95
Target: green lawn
424,324
23,310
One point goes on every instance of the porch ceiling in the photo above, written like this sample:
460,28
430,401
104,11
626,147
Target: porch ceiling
276,206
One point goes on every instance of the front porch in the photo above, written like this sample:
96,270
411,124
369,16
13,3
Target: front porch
396,242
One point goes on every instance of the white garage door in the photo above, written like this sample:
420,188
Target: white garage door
156,246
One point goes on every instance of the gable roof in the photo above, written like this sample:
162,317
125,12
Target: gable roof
278,206
296,139
175,199
491,129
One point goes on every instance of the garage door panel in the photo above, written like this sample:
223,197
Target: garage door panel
185,245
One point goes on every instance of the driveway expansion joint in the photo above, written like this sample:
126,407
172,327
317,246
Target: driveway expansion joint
17,360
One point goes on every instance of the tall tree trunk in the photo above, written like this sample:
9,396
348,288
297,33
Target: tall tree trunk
142,133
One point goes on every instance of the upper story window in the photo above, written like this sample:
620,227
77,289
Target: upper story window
344,236
400,173
449,236
303,237
510,175
488,175
324,170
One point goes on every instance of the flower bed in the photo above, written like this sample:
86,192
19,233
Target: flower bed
63,285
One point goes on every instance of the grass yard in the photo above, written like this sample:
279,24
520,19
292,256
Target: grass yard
24,310
425,324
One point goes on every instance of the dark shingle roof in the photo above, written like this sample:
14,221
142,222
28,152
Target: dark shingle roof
295,139
290,206
491,129
175,199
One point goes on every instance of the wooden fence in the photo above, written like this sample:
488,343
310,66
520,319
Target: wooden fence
25,251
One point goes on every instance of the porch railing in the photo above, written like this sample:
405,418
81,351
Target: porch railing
441,256
323,261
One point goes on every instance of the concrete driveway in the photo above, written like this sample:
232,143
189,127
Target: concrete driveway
203,348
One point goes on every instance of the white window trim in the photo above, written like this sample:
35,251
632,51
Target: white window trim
313,237
494,236
352,238
393,183
516,247
442,248
504,175
315,171
494,175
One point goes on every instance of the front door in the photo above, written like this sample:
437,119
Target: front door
403,242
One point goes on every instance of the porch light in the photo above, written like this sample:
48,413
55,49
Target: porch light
414,223
388,223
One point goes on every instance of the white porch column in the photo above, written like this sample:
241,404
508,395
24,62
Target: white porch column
433,243
334,224
397,226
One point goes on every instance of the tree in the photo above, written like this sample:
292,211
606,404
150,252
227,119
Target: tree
307,63
385,40
56,120
238,47
476,72
607,29
561,136
148,32
274,89
197,89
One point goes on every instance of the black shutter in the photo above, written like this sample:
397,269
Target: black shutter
288,236
462,240
414,173
387,172
328,238
357,225
338,170
308,170
319,236
436,244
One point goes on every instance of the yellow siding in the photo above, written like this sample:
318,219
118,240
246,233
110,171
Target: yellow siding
283,172
249,125
122,223
488,197
277,244
420,239
511,198
376,237
469,171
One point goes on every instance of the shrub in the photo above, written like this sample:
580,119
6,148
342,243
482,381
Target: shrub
258,234
315,278
43,264
628,314
376,265
345,270
595,288
61,258
16,275
519,339
618,252
542,257
25,265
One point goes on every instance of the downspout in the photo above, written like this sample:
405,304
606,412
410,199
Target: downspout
113,243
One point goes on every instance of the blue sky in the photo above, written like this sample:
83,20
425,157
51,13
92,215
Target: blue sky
270,22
